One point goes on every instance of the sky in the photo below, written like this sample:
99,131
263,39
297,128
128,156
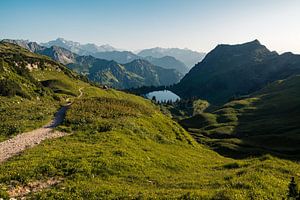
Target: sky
138,24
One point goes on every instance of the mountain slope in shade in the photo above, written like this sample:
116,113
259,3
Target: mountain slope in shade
234,70
135,74
76,47
188,57
59,54
105,72
267,121
168,62
158,75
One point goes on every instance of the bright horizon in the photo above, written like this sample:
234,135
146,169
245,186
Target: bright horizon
134,25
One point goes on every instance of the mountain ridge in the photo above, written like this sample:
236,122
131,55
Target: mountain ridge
78,48
133,74
233,70
188,57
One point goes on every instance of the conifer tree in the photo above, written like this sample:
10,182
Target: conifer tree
154,99
293,193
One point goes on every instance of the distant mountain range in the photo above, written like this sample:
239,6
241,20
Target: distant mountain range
168,58
106,52
76,47
137,73
188,57
230,71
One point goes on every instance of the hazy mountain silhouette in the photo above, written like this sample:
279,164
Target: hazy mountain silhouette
188,57
76,47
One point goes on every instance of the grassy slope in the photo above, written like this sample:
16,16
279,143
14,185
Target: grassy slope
18,115
123,147
34,103
268,121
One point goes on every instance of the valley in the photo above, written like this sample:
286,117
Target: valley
149,100
112,144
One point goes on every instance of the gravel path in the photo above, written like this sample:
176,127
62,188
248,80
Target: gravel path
19,143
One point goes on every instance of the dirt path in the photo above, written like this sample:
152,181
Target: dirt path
80,92
19,143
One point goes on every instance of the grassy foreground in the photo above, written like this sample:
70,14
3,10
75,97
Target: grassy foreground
122,147
18,115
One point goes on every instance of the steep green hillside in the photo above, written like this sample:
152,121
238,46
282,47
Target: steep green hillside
123,147
267,121
235,70
32,87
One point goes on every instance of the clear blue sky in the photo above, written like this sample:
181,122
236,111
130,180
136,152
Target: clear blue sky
137,24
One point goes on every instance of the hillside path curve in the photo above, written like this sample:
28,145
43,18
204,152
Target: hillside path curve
19,143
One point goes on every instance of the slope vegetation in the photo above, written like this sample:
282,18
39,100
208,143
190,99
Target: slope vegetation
32,87
121,146
265,122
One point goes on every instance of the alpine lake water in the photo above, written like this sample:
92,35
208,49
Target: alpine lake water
163,95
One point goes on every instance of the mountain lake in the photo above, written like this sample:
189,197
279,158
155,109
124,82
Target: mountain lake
163,95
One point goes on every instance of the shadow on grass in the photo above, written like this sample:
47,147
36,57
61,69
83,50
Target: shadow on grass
269,125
